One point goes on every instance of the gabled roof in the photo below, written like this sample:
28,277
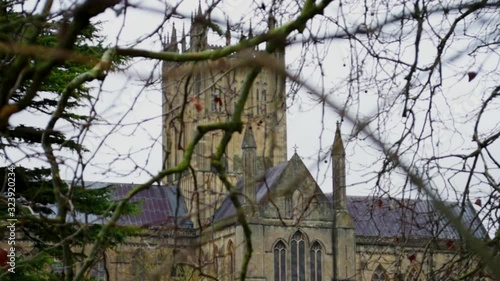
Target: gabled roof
408,218
263,186
374,216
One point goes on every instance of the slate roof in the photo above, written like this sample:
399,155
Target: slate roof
410,218
263,186
372,216
380,217
159,205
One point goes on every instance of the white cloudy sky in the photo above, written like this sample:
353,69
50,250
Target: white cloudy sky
310,126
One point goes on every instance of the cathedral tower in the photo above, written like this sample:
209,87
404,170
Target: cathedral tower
206,92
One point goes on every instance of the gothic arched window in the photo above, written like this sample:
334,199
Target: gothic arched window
264,99
316,266
257,101
298,251
288,207
99,269
215,260
139,266
379,274
298,206
216,99
231,260
280,262
413,274
160,258
177,271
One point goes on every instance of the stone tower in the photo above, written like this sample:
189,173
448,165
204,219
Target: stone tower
200,93
344,243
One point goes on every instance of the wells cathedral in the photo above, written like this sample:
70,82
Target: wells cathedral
192,228
297,232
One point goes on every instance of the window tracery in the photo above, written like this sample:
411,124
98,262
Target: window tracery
280,261
215,260
231,260
99,269
316,262
298,206
288,207
138,266
414,274
298,260
379,274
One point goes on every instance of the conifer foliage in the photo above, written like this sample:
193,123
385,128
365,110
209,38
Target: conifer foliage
45,60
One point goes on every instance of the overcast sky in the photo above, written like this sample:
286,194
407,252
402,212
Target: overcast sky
310,125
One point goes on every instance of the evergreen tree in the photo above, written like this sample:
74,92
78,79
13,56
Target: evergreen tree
35,79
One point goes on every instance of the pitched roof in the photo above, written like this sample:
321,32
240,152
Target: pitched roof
372,216
159,205
263,186
410,218
379,217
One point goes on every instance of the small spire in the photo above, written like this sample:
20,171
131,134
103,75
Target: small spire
199,8
250,32
271,22
228,33
338,145
295,148
243,37
183,39
248,139
174,35
171,46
